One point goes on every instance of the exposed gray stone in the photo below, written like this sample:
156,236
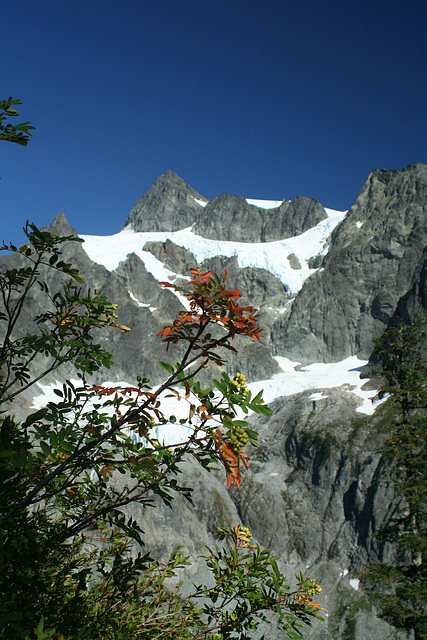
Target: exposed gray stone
375,253
258,287
175,258
292,218
61,226
293,261
315,493
230,218
233,218
169,205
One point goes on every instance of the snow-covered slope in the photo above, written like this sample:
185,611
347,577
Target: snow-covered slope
271,256
291,380
109,251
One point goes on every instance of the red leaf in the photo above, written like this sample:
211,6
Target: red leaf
165,332
235,293
229,460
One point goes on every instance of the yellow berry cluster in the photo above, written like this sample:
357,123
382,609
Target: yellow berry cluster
238,438
243,537
239,384
245,531
313,588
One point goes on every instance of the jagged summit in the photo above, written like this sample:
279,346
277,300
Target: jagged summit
417,169
169,205
376,252
356,278
61,226
233,218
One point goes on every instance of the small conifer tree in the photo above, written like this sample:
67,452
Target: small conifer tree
400,588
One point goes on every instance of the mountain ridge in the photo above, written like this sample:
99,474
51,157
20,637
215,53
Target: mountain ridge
179,206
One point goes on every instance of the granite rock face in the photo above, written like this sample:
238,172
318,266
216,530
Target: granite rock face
315,492
169,205
230,218
146,307
373,259
413,305
375,254
175,258
233,218
61,226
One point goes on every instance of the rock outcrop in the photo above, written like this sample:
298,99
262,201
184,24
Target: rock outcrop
169,205
147,308
315,493
233,218
375,254
175,258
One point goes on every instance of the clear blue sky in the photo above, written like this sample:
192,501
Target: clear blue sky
265,99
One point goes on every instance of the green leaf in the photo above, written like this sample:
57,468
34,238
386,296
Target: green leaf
7,453
35,417
220,386
240,423
263,410
257,398
166,365
45,448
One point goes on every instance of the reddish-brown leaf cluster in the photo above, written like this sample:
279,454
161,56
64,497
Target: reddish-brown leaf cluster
229,459
210,304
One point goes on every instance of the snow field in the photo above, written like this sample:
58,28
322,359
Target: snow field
271,256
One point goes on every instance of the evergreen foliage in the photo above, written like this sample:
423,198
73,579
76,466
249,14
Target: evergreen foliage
400,588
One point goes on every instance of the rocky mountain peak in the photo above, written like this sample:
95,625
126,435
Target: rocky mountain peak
170,183
376,252
233,218
61,226
230,217
169,205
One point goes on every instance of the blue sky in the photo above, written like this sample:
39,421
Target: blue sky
269,99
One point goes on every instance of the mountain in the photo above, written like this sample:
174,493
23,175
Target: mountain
326,284
323,292
373,260
171,205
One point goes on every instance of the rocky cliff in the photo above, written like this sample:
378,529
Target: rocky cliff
233,218
373,260
171,204
315,493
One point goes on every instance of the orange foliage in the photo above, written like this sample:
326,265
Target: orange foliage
210,303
